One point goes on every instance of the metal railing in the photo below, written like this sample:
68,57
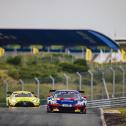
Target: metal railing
102,103
105,103
103,87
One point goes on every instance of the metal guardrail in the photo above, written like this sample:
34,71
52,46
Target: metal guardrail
104,103
3,104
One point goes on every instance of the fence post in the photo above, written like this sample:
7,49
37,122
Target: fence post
123,87
53,81
66,77
80,80
22,84
38,86
92,79
113,83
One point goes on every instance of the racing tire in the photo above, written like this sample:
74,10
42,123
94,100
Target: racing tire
83,111
49,110
9,104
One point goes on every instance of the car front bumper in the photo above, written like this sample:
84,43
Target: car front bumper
60,108
24,104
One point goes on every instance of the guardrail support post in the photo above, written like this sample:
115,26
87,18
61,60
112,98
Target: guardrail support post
22,84
66,77
80,80
92,79
123,86
113,83
53,81
38,86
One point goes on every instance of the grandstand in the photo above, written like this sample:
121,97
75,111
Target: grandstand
67,38
48,37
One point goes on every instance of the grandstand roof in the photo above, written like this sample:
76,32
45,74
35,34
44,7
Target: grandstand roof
47,37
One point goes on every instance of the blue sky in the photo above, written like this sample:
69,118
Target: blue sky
106,16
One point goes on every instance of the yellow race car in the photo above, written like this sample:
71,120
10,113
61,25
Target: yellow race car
22,98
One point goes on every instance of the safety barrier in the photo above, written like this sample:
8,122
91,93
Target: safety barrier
104,103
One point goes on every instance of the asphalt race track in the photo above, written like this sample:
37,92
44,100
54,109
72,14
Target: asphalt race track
39,117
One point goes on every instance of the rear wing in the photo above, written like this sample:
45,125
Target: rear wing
9,92
51,91
81,92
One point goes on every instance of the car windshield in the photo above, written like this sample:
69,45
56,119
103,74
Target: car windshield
67,94
23,95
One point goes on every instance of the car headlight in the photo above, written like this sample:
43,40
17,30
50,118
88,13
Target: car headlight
35,100
13,100
80,103
54,102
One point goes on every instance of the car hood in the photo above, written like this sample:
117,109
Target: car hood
25,98
67,101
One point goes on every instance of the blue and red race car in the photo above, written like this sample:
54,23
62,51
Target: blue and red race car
66,101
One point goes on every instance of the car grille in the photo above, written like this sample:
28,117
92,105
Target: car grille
24,104
66,109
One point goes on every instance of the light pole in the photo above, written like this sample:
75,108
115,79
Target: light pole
38,86
113,82
66,77
80,80
22,84
53,81
123,86
92,79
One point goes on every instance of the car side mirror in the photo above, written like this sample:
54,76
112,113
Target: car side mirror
49,95
8,93
84,97
32,92
36,96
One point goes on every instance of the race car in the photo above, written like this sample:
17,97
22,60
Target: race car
22,98
66,101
